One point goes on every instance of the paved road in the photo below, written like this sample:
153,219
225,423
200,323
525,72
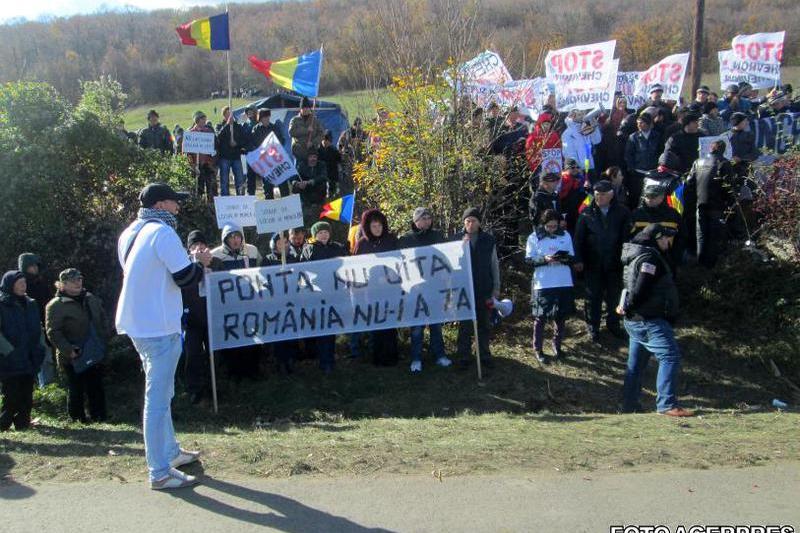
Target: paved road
541,502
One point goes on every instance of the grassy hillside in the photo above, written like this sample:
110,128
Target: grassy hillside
356,103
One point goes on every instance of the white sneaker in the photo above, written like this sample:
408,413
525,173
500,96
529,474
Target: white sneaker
444,361
174,480
185,457
416,366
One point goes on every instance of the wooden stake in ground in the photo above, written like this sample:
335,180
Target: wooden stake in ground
477,347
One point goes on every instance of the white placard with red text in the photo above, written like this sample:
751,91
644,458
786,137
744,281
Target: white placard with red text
584,67
669,73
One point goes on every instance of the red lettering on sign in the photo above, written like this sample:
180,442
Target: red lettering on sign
597,60
675,72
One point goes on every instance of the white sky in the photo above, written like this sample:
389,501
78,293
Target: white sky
33,9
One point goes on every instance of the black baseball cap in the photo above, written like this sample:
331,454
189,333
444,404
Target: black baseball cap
656,231
156,192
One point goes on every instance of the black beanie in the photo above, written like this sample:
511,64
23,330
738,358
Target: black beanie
194,237
472,212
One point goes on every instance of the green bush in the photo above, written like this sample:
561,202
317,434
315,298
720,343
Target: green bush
71,179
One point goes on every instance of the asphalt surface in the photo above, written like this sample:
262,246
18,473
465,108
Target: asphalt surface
542,502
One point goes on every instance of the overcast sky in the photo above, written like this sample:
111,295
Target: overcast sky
33,9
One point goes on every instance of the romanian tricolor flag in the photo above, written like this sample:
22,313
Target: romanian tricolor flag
340,209
210,33
675,200
299,74
585,203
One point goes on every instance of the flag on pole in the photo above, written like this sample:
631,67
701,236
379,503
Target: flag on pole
210,33
585,203
675,200
299,74
340,209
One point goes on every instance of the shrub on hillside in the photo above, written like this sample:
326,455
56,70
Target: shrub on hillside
777,201
71,179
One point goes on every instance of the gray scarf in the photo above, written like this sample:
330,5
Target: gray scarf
146,213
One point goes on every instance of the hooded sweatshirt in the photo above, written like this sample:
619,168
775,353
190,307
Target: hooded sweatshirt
538,140
21,338
246,257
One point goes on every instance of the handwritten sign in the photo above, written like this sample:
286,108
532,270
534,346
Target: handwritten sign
198,142
273,216
551,161
240,210
569,98
402,288
582,68
706,142
735,70
271,162
759,54
626,84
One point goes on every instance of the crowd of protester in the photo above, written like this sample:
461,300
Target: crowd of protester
633,204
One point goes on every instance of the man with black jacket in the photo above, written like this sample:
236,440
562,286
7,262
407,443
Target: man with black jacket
155,135
423,234
195,326
712,179
260,132
641,155
602,228
232,141
650,306
545,198
686,143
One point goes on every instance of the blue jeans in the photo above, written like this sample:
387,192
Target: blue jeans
225,166
437,342
651,337
159,357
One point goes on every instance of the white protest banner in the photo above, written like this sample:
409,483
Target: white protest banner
240,210
273,216
271,161
626,84
669,73
759,54
402,288
584,67
730,72
551,161
705,144
568,98
198,142
528,94
485,68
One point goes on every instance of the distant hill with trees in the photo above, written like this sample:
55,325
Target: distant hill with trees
365,40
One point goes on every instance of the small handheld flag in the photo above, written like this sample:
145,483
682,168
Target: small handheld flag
675,200
210,33
340,209
299,74
585,203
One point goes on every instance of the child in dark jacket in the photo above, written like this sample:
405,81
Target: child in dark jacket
21,351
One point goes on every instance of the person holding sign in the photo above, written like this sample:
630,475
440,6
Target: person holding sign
377,238
549,250
232,142
543,137
203,165
322,247
260,132
578,142
485,286
423,234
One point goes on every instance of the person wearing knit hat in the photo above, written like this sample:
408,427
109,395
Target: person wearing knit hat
323,247
195,327
686,142
21,351
485,286
422,233
734,101
40,289
641,154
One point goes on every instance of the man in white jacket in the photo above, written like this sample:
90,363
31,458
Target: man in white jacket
578,140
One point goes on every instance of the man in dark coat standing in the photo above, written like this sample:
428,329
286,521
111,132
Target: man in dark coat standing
601,230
